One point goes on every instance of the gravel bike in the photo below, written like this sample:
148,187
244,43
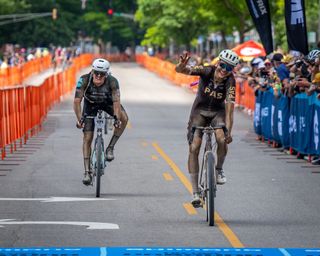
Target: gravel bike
207,174
103,123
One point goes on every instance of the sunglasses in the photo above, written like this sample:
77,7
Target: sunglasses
98,73
225,66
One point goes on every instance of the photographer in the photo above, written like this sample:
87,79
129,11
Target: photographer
263,81
315,86
282,72
313,59
299,77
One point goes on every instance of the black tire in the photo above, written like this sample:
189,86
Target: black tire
211,188
99,152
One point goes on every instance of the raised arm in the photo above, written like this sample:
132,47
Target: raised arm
183,68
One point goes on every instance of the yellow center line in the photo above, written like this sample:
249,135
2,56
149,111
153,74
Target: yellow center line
129,126
154,157
190,209
224,228
174,167
167,176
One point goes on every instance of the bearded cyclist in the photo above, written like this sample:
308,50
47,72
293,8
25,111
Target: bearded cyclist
213,105
100,90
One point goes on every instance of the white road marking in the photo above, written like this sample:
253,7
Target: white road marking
89,225
103,251
57,199
284,252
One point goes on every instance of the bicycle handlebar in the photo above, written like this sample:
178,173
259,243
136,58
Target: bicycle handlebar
210,128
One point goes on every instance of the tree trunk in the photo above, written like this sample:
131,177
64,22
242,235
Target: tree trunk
188,47
241,35
224,44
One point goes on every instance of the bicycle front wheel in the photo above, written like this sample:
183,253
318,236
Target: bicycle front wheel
99,156
211,187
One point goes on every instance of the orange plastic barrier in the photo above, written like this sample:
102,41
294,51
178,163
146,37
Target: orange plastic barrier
245,96
165,69
244,93
121,57
13,76
23,109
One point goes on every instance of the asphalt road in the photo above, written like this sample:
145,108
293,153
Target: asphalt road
270,199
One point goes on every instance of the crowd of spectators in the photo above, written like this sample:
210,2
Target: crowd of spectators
16,56
287,74
63,56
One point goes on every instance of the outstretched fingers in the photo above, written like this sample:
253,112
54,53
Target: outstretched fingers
184,58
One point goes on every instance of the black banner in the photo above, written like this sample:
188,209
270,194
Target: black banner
296,25
260,13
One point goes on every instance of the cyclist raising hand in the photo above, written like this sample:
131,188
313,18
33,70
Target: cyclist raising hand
213,105
100,91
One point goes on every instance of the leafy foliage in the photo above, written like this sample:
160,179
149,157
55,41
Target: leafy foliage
72,21
184,21
160,21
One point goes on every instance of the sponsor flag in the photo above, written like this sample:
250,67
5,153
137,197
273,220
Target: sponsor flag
260,13
296,25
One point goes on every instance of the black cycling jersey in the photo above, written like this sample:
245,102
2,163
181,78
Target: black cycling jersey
107,93
211,95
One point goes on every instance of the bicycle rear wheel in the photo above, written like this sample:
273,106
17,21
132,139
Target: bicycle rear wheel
99,152
211,187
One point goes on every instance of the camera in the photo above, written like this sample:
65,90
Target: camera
298,63
264,73
263,82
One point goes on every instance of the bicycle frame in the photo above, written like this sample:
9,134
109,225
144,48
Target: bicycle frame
108,123
97,161
99,127
210,146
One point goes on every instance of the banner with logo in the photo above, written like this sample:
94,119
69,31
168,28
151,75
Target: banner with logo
315,127
260,13
283,120
266,117
257,113
296,25
275,120
300,123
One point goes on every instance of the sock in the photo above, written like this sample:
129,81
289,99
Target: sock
194,182
86,162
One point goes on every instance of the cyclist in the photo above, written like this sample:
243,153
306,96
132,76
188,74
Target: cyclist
100,90
214,104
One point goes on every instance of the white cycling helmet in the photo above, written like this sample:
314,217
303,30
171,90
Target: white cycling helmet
101,65
313,55
229,57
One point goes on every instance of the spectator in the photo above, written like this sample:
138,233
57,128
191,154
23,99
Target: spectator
282,71
4,63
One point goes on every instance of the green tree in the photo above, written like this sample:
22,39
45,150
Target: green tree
183,21
72,21
118,30
231,15
43,31
165,20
